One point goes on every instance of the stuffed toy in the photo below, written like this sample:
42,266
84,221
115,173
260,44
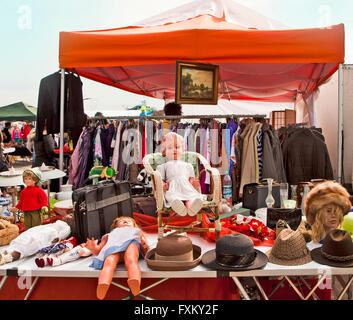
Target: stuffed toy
8,230
325,207
125,242
179,183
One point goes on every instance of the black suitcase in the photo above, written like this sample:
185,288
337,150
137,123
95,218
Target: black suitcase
254,196
96,206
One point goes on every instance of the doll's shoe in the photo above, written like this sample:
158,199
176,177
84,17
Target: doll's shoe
40,262
195,207
178,207
134,285
102,289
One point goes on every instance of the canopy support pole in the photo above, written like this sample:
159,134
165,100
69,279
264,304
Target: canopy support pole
62,101
340,122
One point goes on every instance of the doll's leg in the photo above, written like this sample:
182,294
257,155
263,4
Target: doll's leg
195,207
106,275
187,204
131,257
179,207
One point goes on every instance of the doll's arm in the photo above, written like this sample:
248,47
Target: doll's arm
144,244
165,186
94,247
195,182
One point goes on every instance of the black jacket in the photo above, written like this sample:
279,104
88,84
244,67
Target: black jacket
305,156
48,112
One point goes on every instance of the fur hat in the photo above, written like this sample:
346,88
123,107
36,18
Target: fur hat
328,192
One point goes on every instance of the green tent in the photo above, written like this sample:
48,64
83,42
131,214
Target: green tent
18,111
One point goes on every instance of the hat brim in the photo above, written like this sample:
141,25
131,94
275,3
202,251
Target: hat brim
317,256
283,262
209,260
162,265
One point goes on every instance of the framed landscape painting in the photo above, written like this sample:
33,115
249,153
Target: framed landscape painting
196,83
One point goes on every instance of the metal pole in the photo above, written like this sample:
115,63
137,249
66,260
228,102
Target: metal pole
62,101
340,122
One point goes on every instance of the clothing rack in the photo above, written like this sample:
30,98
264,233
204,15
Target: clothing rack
162,117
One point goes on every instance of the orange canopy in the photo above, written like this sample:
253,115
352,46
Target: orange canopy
269,65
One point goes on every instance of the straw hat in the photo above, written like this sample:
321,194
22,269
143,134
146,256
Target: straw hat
328,192
336,250
174,253
234,252
289,249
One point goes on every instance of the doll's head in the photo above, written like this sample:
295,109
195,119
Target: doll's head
173,146
31,178
123,222
325,207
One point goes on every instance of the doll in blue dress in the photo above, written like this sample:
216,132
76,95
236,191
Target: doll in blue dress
125,242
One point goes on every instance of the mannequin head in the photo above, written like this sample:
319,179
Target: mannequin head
329,217
325,207
173,146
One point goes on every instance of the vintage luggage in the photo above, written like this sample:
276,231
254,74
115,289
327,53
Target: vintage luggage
292,216
254,195
96,206
145,205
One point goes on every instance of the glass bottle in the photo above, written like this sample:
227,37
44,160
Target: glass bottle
270,201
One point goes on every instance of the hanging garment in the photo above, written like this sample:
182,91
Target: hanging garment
73,163
257,171
272,157
306,157
48,112
98,152
248,168
85,162
115,158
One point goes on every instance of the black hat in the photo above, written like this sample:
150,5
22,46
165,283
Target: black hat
234,252
336,250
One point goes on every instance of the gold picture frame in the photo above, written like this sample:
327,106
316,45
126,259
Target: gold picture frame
196,83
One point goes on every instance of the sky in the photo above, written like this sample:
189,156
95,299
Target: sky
29,33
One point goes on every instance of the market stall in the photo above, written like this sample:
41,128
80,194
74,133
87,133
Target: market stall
256,62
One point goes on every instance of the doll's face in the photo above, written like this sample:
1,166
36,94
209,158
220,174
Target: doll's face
330,218
174,148
124,223
29,181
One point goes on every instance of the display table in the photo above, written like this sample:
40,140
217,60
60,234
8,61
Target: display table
68,276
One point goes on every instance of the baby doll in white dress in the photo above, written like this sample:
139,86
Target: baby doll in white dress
179,183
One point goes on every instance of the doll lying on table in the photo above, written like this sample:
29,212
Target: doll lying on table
64,251
30,241
179,183
125,242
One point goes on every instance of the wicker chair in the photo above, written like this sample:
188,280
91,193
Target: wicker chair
210,207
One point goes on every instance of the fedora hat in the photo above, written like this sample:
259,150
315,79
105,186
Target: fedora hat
328,192
336,250
234,252
289,249
173,253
